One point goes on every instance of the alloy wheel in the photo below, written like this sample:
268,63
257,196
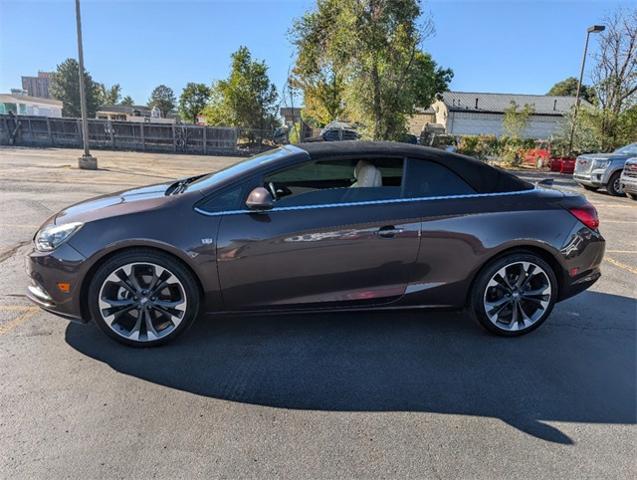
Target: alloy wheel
517,296
142,301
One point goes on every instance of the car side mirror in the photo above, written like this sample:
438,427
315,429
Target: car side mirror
259,199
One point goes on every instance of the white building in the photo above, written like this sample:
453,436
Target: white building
135,113
468,113
25,105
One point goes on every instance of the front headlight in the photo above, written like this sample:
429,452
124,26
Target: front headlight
52,236
601,163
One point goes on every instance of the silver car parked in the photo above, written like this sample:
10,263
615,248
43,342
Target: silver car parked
597,170
628,179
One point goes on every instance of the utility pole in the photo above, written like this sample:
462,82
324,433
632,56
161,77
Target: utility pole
86,161
589,30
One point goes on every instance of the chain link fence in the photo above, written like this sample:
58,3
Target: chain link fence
136,136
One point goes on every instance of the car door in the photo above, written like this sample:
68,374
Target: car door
326,242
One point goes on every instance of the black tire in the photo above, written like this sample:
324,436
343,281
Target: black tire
589,188
614,186
479,293
187,285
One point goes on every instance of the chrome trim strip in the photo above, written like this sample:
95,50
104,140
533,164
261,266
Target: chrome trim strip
368,202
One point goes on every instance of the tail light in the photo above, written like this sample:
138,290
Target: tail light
587,215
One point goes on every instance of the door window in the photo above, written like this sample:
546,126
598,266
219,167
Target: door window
228,199
337,181
430,179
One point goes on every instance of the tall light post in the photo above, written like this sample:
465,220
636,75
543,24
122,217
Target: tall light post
589,30
86,161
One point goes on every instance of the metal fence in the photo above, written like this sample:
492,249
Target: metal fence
137,136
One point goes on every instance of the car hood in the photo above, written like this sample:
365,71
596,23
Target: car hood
118,203
602,156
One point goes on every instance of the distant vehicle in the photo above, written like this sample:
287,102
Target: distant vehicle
597,170
539,156
318,227
336,131
628,179
562,164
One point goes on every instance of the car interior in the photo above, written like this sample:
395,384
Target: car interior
322,182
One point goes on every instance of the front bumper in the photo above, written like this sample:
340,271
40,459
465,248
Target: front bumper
48,269
629,184
596,178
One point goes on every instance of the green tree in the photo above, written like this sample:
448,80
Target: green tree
323,96
515,119
374,46
163,98
247,98
65,86
568,88
109,96
193,100
128,101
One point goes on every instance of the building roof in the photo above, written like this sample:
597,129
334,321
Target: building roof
498,102
28,98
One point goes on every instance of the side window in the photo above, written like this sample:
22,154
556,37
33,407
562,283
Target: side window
230,198
430,179
337,181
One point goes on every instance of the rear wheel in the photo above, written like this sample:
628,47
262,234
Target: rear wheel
514,295
614,186
143,298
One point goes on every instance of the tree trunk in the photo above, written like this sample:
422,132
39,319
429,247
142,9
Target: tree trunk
377,107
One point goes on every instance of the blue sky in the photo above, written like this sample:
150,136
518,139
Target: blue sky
492,46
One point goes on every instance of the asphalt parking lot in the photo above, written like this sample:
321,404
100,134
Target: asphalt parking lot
365,395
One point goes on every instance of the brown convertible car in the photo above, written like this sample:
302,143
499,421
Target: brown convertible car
320,226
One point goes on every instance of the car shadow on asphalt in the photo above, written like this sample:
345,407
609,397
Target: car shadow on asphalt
570,370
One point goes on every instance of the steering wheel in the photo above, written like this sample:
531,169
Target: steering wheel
272,189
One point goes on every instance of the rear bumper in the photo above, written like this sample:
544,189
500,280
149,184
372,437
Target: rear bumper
580,283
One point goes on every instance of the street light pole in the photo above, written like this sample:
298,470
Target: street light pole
86,161
589,30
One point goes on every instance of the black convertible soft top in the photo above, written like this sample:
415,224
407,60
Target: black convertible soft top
482,177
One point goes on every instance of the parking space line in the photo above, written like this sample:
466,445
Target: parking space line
621,265
619,221
18,225
621,251
29,312
611,205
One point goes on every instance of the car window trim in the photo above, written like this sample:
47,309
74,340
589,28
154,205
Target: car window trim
367,202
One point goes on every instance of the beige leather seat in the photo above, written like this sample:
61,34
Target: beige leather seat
367,175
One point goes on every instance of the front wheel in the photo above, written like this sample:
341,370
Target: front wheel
514,295
143,298
614,186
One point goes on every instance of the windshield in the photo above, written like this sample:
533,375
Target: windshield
627,150
241,167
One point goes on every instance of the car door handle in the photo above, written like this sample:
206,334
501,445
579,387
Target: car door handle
388,231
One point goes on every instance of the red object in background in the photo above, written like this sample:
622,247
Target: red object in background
562,164
538,157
